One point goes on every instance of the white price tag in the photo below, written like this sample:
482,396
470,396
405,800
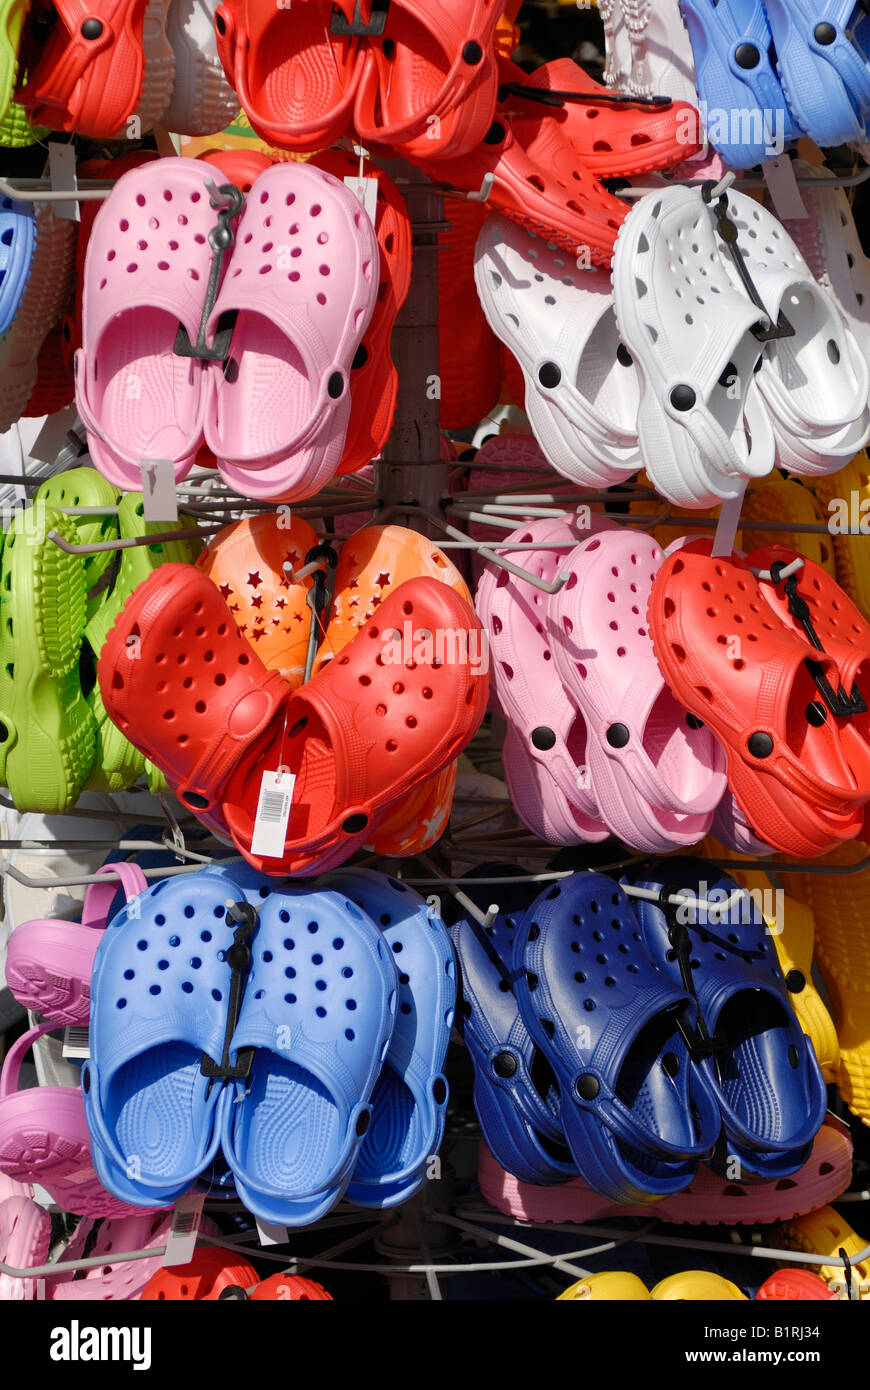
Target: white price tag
784,189
186,1217
76,1042
53,436
62,172
158,490
366,190
271,1235
273,813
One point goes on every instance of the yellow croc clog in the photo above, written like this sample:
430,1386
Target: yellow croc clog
845,501
825,1232
776,498
841,910
697,1286
611,1287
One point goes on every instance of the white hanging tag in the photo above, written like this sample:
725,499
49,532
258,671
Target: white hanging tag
784,189
158,488
268,1234
273,813
366,190
53,436
186,1216
62,173
76,1041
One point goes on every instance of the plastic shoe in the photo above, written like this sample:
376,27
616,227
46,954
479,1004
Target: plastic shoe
91,82
795,1286
515,1093
697,1285
761,1067
848,488
661,58
617,68
821,52
55,384
732,829
19,224
16,130
25,1240
208,1278
545,753
709,1200
607,1287
776,498
829,242
374,561
637,1114
327,735
44,1139
11,21
240,166
85,487
790,776
291,1288
581,390
613,141
295,79
294,1136
36,293
49,731
277,421
816,382
700,440
374,381
158,72
419,819
49,963
734,59
825,1232
658,774
469,358
135,396
202,99
538,182
409,1100
246,561
155,1013
116,1282
430,80
842,952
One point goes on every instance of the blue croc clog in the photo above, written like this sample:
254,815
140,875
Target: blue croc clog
745,110
756,1059
17,249
409,1102
824,63
636,1113
160,991
516,1095
319,1010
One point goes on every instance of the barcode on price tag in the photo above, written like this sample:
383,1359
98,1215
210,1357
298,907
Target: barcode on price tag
186,1217
273,812
76,1042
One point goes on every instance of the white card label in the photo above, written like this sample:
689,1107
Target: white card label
271,1235
367,192
273,813
158,488
76,1042
186,1217
784,189
62,172
53,436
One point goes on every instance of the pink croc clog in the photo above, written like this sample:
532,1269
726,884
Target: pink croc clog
25,1238
44,1139
658,773
146,271
303,282
49,962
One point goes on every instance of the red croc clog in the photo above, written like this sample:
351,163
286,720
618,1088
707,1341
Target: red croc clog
295,77
210,1275
795,1286
374,381
735,666
290,1287
401,702
84,63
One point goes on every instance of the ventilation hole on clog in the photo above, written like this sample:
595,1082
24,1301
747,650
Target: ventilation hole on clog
154,989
